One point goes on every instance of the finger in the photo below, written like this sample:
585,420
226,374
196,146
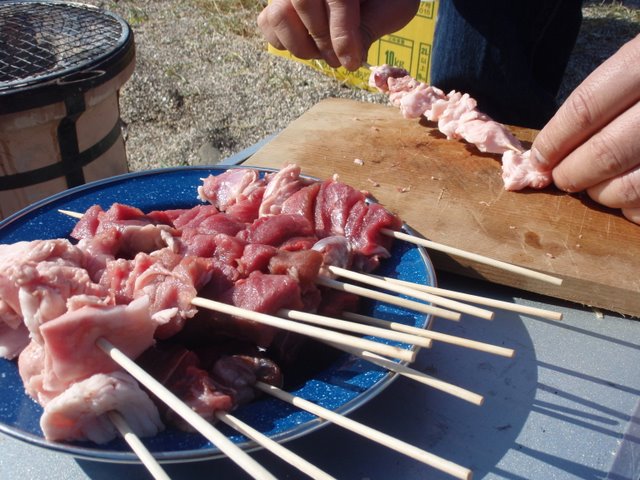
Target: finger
344,26
315,18
268,33
622,191
632,214
608,91
608,153
282,21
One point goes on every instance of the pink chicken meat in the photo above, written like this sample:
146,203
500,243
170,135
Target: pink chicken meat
458,118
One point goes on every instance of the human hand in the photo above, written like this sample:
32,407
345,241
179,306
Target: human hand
338,31
593,141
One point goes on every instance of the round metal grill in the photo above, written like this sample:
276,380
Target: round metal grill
40,41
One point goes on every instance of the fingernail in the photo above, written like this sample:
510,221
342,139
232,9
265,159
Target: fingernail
348,62
331,58
538,160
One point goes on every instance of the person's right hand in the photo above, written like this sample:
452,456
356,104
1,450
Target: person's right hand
338,31
592,142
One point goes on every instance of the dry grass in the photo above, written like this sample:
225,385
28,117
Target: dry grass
204,82
235,16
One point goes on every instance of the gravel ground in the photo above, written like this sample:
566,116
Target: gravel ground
205,87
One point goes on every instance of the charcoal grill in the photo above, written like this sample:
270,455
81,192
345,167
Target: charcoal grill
61,67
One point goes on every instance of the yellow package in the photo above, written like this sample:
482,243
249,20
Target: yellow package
409,48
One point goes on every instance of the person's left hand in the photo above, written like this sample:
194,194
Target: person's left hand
338,31
593,141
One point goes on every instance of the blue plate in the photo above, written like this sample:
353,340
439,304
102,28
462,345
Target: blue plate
345,385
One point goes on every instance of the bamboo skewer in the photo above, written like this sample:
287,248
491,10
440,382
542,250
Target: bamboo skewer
414,374
375,435
212,434
143,454
384,297
319,333
442,337
473,256
274,447
71,213
489,302
412,292
355,327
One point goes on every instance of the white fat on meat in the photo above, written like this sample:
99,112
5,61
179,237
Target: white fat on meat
36,280
518,172
38,251
13,259
31,370
12,340
70,347
45,289
458,118
8,315
280,186
147,238
336,252
80,412
226,189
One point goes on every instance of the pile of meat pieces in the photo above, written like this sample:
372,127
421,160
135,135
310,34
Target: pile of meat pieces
458,118
259,243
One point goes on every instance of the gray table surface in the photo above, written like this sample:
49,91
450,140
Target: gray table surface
565,407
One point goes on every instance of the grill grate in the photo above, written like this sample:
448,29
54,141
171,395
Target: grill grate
44,40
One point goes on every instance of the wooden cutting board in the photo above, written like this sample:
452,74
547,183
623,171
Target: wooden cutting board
454,195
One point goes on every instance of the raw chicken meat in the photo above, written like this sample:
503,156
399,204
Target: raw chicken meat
458,118
80,412
518,172
70,347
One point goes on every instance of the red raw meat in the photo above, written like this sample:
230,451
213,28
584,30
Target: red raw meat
246,210
302,265
255,258
295,244
179,370
228,249
363,231
259,292
303,202
275,230
333,204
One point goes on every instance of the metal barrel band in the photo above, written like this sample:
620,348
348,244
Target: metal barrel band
62,168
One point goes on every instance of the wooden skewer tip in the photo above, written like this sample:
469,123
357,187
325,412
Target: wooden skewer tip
525,272
70,213
388,441
144,455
